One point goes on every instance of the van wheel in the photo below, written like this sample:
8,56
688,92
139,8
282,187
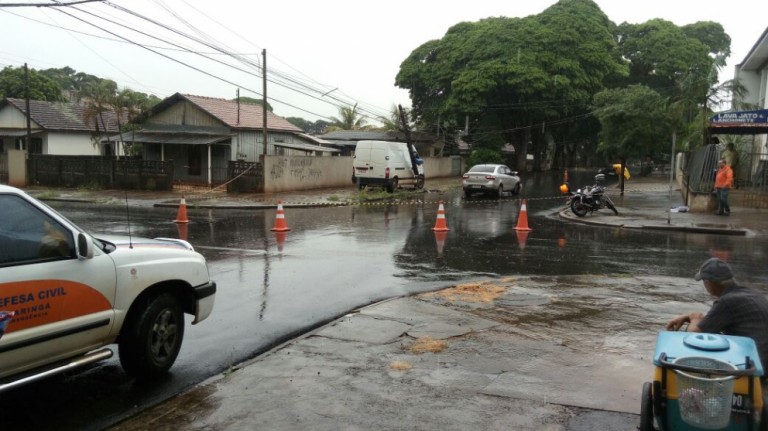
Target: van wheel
392,185
420,182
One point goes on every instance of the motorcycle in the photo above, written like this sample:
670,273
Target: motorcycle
589,198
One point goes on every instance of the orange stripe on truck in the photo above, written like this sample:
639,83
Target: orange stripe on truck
41,302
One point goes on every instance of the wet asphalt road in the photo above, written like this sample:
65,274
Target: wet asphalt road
338,258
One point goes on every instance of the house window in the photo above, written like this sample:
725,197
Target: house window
194,159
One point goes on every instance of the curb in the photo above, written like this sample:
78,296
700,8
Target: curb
564,214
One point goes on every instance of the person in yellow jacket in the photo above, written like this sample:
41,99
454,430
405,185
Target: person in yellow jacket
723,184
617,169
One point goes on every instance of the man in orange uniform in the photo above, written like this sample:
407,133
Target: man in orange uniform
723,184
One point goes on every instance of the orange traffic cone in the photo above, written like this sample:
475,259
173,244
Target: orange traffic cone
440,241
280,224
440,225
561,242
522,220
181,216
522,237
181,228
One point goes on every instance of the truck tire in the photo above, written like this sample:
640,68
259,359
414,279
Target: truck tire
392,185
151,338
420,182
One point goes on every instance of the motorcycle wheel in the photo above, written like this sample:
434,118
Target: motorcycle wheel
609,204
579,208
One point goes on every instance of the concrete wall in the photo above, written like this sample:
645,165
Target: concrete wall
70,144
306,173
17,168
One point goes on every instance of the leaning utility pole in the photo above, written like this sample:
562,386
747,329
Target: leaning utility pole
29,114
264,99
407,131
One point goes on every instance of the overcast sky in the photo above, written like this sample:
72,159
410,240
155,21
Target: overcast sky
330,52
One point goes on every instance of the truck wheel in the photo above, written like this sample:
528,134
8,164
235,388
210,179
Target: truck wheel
152,336
392,185
420,182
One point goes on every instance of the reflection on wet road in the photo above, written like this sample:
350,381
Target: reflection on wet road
334,259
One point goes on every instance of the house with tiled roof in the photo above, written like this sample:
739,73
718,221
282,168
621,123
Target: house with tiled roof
203,134
59,128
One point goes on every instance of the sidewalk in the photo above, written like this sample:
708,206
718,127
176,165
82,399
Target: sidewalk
455,359
646,204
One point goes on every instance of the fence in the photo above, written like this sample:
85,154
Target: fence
246,177
750,175
3,168
97,171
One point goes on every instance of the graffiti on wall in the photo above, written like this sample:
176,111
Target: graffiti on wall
297,169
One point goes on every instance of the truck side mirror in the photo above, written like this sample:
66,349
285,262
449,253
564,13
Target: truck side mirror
84,247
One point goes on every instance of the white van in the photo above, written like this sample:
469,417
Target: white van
387,164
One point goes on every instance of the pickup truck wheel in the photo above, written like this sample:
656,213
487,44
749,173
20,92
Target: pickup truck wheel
152,336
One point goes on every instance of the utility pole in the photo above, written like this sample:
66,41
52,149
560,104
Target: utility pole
264,101
409,144
29,114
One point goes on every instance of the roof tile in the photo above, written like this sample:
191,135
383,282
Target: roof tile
63,115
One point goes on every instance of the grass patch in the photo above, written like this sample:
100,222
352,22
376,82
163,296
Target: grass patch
379,194
47,195
90,187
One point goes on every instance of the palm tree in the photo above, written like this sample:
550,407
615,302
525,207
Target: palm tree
98,99
393,123
350,119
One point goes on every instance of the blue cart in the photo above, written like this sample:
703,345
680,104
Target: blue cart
703,382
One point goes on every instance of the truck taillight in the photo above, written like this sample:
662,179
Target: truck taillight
386,173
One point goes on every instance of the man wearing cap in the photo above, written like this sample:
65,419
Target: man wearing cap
737,310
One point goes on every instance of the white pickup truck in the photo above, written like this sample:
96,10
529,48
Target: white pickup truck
65,295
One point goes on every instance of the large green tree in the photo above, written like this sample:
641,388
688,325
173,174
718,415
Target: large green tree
41,87
681,64
253,101
635,122
316,128
516,80
70,79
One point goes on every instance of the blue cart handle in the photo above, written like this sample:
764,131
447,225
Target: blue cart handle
749,371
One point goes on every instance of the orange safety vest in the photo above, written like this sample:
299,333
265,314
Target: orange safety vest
724,178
